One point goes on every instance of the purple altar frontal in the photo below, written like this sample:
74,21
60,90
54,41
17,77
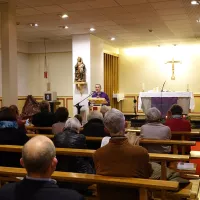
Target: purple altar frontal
163,103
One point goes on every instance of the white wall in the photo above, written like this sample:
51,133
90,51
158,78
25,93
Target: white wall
23,74
51,46
60,73
147,65
97,65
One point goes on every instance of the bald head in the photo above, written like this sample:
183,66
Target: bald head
37,154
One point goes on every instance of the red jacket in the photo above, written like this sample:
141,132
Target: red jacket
178,124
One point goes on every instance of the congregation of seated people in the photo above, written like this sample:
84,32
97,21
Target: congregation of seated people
118,156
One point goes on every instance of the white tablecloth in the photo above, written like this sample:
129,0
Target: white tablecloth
166,94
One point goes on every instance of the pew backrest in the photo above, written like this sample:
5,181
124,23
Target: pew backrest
98,179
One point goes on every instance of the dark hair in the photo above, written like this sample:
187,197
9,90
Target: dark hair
176,109
61,114
44,106
14,108
79,117
7,114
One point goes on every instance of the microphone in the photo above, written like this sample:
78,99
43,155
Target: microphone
163,86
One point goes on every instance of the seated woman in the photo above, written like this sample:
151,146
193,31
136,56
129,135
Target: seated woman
94,127
44,118
61,116
70,138
20,122
154,129
104,109
10,134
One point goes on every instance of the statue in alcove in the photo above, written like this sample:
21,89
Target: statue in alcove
80,71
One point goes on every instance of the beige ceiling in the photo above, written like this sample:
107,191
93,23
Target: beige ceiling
172,21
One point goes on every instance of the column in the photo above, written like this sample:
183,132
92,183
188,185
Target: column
90,49
9,53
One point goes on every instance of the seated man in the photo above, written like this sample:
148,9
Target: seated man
119,158
175,120
44,118
39,159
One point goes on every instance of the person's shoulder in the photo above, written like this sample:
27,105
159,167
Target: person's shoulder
63,193
102,150
7,189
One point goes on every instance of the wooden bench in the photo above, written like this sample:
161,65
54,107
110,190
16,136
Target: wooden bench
142,184
163,158
173,143
182,133
38,129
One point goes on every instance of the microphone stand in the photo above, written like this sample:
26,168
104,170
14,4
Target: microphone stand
78,106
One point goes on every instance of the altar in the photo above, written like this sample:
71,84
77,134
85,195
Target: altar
164,100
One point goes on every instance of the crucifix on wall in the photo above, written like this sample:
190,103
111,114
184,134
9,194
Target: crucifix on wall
173,62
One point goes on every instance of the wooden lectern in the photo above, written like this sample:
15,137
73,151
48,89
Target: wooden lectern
96,103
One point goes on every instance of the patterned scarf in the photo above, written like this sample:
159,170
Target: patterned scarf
8,124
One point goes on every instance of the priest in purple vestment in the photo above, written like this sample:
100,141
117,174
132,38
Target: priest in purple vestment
99,94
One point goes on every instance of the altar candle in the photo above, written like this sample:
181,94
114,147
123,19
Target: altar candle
143,87
188,89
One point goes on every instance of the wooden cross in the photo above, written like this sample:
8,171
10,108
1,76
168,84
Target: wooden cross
173,62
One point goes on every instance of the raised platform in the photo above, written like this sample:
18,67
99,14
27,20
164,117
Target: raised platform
139,120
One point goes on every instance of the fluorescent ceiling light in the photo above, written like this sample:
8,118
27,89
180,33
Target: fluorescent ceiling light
112,39
64,16
34,24
195,2
92,29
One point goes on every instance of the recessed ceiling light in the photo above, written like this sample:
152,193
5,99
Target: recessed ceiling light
64,16
112,39
92,29
195,2
198,20
64,27
34,24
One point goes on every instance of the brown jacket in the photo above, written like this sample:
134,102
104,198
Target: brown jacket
121,159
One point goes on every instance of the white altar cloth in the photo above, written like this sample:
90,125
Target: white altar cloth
167,94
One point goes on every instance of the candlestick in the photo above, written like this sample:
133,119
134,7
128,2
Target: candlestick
142,87
188,88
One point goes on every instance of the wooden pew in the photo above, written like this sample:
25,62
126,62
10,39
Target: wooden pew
182,133
173,143
38,129
142,184
163,158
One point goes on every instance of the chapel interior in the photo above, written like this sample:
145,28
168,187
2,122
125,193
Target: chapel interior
129,47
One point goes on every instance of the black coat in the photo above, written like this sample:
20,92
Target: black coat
95,128
36,190
12,136
43,119
70,139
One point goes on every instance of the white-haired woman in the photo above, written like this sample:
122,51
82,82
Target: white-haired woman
154,129
70,138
